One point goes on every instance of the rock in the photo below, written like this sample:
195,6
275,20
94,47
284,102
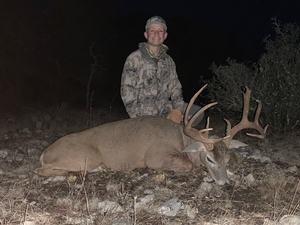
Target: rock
230,175
93,203
216,191
78,220
250,179
255,154
148,192
19,157
45,144
190,212
265,159
3,153
208,179
112,187
203,190
289,220
54,179
122,221
205,187
29,222
144,200
142,176
109,207
170,207
147,199
292,169
236,144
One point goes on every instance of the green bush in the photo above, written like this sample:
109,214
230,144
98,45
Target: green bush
40,122
274,79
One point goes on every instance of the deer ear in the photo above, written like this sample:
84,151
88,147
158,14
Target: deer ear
195,147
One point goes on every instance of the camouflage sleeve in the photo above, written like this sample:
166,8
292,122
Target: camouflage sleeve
129,90
176,90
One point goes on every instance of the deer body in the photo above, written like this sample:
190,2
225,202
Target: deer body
147,141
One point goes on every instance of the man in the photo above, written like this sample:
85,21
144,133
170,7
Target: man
149,84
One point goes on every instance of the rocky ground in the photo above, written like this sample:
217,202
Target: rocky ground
264,180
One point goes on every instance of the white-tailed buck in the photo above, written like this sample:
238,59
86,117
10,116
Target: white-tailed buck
147,141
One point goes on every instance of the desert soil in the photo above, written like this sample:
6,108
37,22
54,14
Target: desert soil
260,192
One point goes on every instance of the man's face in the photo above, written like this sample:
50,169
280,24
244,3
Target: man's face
155,34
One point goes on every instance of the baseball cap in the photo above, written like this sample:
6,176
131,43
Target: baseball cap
156,20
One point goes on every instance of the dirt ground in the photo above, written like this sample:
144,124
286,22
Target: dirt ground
260,192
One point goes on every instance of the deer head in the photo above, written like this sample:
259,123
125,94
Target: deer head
215,155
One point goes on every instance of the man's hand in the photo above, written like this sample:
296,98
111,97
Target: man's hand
175,115
133,116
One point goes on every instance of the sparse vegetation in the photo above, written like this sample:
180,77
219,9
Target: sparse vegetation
40,122
274,79
133,197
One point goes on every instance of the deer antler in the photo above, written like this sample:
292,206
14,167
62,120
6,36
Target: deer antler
245,123
199,135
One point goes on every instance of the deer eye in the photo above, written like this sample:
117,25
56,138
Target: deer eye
209,160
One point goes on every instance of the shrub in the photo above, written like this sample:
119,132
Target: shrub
274,79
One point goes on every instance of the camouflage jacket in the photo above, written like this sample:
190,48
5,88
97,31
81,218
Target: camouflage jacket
149,85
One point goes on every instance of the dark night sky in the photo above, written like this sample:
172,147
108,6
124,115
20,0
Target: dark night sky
54,38
249,20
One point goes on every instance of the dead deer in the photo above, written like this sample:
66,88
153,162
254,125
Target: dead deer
148,142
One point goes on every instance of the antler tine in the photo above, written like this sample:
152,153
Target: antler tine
188,108
207,129
245,123
194,117
256,122
192,132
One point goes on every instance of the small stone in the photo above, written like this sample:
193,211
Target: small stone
250,179
122,221
108,207
265,159
205,187
190,212
26,130
9,159
170,207
236,144
203,190
147,198
292,169
54,179
148,192
3,153
19,158
31,151
23,176
255,154
29,222
144,200
289,220
208,179
45,144
93,203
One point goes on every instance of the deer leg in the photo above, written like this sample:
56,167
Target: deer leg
177,163
50,170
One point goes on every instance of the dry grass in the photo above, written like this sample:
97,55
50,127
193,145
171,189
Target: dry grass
26,199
